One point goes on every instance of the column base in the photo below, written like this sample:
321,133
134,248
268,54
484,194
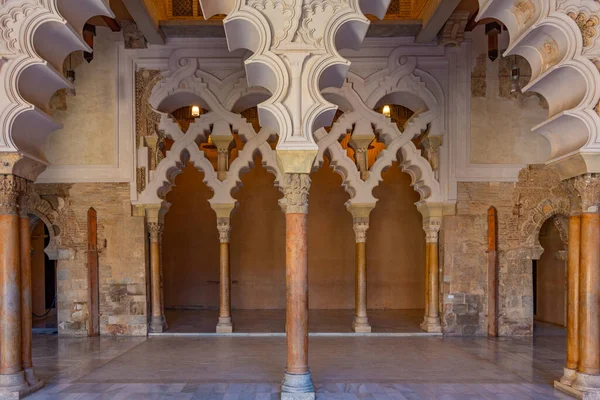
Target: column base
157,324
30,377
297,387
361,325
225,325
568,377
587,385
432,325
15,386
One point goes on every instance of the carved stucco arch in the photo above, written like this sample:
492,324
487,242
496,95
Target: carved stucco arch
561,56
399,147
35,38
553,207
41,210
185,149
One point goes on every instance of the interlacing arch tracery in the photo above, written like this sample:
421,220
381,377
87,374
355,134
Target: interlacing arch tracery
559,40
399,147
185,149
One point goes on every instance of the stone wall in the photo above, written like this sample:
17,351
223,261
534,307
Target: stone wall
122,259
522,209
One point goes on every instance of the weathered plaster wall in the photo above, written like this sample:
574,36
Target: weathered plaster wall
500,122
122,259
551,277
395,247
90,118
522,208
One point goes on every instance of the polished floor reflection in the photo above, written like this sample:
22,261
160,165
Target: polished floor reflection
273,321
376,368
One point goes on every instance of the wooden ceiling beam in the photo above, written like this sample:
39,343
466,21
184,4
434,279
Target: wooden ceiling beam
146,14
434,15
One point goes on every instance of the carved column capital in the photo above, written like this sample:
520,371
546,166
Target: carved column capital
24,200
588,187
10,188
432,226
224,228
574,196
296,188
155,230
360,226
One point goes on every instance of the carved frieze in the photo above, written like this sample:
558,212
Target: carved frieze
146,119
141,179
15,12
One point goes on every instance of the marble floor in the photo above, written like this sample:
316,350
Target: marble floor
225,368
273,321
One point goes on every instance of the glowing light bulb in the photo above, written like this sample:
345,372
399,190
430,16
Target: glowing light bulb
387,111
195,111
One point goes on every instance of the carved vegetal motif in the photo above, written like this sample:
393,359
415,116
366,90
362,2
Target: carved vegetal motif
315,16
588,186
432,226
587,25
281,16
524,11
360,226
155,230
296,188
146,119
9,23
10,188
550,53
141,179
224,228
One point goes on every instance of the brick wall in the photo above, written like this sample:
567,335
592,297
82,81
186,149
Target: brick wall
522,208
122,259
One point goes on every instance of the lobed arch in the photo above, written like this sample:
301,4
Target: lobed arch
185,149
41,210
37,37
562,57
553,207
399,147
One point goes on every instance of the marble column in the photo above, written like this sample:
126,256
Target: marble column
573,257
157,319
26,305
224,325
360,223
12,376
431,321
297,383
587,379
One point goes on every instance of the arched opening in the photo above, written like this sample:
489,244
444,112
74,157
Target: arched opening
550,280
331,253
43,282
396,256
257,254
190,247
